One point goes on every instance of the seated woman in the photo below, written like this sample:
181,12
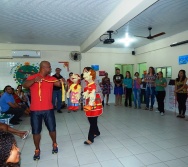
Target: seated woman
24,99
6,128
9,152
19,101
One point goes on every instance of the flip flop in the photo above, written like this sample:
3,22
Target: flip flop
26,134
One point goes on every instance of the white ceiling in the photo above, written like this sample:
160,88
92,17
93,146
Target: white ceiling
169,16
71,22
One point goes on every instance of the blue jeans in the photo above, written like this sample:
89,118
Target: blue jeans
150,94
136,93
57,94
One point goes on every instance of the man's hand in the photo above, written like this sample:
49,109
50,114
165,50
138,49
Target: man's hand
38,79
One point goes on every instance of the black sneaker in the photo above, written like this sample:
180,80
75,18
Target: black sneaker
59,111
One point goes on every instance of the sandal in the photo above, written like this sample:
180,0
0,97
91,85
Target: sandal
26,134
55,148
36,155
146,108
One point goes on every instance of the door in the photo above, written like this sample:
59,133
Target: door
142,69
127,67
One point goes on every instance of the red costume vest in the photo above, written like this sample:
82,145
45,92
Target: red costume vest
97,109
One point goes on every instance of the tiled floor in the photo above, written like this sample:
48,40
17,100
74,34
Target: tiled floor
129,138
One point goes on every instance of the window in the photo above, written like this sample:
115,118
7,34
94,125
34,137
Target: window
167,71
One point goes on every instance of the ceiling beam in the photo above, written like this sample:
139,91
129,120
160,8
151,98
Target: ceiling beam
123,13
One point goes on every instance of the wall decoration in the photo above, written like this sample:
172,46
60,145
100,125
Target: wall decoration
102,73
183,59
22,71
95,67
65,64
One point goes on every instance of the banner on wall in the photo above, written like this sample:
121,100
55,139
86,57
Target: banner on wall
95,67
183,59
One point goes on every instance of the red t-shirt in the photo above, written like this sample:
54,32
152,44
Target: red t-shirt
46,93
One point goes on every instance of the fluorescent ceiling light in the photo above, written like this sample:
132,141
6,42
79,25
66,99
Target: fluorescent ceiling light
127,40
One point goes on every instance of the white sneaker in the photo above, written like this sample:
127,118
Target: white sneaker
156,110
162,114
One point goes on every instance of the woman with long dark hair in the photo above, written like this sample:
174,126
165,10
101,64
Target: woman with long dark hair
150,88
181,93
136,90
128,84
106,87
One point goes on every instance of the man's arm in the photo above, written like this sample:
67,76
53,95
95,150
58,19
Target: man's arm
114,80
27,84
13,105
122,78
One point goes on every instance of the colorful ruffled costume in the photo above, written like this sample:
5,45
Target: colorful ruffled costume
96,108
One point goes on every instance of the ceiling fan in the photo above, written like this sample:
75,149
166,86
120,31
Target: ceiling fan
151,36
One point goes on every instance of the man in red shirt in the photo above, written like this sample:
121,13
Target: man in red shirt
41,88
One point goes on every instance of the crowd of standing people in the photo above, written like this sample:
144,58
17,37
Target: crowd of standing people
150,86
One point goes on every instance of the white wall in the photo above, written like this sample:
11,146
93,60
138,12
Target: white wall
160,54
48,52
106,59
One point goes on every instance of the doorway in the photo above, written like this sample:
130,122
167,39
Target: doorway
125,67
142,69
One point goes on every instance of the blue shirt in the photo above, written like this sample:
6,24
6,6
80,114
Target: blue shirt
4,100
128,82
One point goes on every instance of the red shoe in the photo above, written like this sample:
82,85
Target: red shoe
70,107
75,108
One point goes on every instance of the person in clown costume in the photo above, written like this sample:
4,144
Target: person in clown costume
74,92
93,105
